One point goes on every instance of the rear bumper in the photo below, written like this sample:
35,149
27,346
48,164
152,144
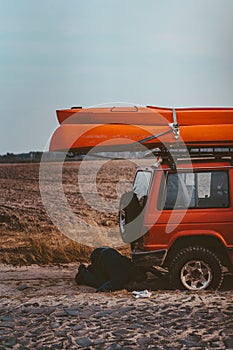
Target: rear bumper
149,258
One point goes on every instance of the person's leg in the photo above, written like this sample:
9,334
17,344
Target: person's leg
118,268
111,270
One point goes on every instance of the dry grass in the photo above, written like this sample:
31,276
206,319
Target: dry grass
23,248
40,248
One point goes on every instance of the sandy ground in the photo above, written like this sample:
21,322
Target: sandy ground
43,308
59,279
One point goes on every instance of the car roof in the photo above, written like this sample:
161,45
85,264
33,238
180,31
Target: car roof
185,165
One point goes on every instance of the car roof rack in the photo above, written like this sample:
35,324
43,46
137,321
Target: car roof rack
173,154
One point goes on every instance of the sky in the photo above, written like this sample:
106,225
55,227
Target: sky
61,53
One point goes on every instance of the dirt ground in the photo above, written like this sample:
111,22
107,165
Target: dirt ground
22,209
43,308
25,225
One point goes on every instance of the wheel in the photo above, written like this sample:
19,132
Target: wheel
196,268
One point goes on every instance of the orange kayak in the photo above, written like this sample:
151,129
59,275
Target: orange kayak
120,128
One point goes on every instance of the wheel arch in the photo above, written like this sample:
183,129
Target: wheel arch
210,242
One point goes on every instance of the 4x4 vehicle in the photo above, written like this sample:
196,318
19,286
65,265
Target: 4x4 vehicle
181,219
180,214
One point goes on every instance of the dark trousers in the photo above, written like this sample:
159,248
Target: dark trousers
109,270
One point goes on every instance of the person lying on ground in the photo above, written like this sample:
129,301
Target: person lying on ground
108,271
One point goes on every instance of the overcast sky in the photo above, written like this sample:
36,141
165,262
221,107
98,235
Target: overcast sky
60,53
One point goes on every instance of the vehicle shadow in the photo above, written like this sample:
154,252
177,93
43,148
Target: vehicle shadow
227,282
162,283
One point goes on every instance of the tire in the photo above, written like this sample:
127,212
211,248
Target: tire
196,268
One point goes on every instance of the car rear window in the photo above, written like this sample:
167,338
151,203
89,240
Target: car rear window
206,189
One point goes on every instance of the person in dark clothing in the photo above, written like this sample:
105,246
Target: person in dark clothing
109,271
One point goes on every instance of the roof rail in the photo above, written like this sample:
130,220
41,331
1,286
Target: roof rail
172,154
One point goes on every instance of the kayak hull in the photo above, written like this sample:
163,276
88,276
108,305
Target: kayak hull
124,129
108,136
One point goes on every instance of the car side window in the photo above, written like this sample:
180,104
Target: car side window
141,183
206,189
213,189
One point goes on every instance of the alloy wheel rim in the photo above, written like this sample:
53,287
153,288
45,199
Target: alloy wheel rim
196,275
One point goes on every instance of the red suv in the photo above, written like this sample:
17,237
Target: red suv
180,217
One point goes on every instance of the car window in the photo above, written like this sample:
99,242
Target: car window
141,183
197,190
212,189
